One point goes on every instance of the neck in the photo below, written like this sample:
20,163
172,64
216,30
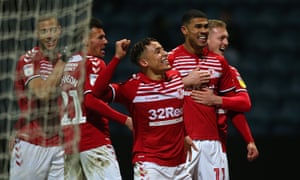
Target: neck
193,50
154,76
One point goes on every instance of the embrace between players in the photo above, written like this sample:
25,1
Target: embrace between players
174,104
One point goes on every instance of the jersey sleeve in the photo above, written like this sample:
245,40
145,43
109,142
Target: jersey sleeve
239,121
103,109
226,85
94,71
27,69
240,102
239,82
102,84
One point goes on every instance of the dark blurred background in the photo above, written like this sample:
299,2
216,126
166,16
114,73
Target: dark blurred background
264,41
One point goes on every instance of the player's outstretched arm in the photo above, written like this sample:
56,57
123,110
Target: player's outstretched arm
101,84
240,102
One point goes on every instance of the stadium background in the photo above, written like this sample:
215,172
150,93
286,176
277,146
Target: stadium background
264,44
264,41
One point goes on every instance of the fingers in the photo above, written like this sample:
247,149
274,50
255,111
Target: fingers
189,155
252,155
121,47
194,147
125,44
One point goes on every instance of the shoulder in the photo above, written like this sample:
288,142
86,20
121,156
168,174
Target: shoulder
95,61
172,74
31,55
176,50
76,58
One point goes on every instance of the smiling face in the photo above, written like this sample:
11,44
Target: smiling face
48,33
218,40
154,60
96,42
195,33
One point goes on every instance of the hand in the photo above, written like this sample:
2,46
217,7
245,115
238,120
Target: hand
129,124
252,151
121,48
65,54
196,78
188,144
206,97
11,142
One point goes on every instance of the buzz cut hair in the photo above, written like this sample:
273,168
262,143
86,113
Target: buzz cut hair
191,14
95,23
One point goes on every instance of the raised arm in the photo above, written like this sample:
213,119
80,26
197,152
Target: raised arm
102,84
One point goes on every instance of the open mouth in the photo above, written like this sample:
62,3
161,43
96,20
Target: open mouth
165,61
222,49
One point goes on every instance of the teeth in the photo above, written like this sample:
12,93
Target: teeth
165,61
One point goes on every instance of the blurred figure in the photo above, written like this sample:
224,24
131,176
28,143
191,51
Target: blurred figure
37,151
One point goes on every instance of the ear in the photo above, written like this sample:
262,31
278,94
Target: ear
143,62
183,30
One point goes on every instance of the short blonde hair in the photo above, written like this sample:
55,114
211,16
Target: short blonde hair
214,23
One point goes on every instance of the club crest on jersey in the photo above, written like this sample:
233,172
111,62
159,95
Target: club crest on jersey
180,93
214,74
28,70
93,78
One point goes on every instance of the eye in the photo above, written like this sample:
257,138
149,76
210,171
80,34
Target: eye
53,30
43,31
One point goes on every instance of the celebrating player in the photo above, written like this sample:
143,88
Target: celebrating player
218,42
154,99
95,158
201,120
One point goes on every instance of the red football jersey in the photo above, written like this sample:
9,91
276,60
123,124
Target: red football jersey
156,110
78,79
201,120
39,121
239,121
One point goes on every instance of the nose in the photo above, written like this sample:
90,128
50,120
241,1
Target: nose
226,42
